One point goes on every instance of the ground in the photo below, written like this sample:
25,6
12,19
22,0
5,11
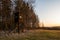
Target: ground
34,35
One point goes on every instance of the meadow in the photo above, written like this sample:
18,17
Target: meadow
34,35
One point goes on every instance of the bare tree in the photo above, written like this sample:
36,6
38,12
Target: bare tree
18,15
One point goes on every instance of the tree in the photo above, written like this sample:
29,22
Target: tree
18,15
5,13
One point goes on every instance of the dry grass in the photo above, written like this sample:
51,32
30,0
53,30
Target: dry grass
34,35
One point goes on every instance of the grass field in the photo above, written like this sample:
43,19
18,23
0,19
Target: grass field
34,35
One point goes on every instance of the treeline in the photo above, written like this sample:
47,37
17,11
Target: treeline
17,15
50,28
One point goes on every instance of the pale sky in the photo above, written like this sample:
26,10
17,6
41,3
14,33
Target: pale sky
48,12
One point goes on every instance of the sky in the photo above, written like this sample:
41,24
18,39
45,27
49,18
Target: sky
48,12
